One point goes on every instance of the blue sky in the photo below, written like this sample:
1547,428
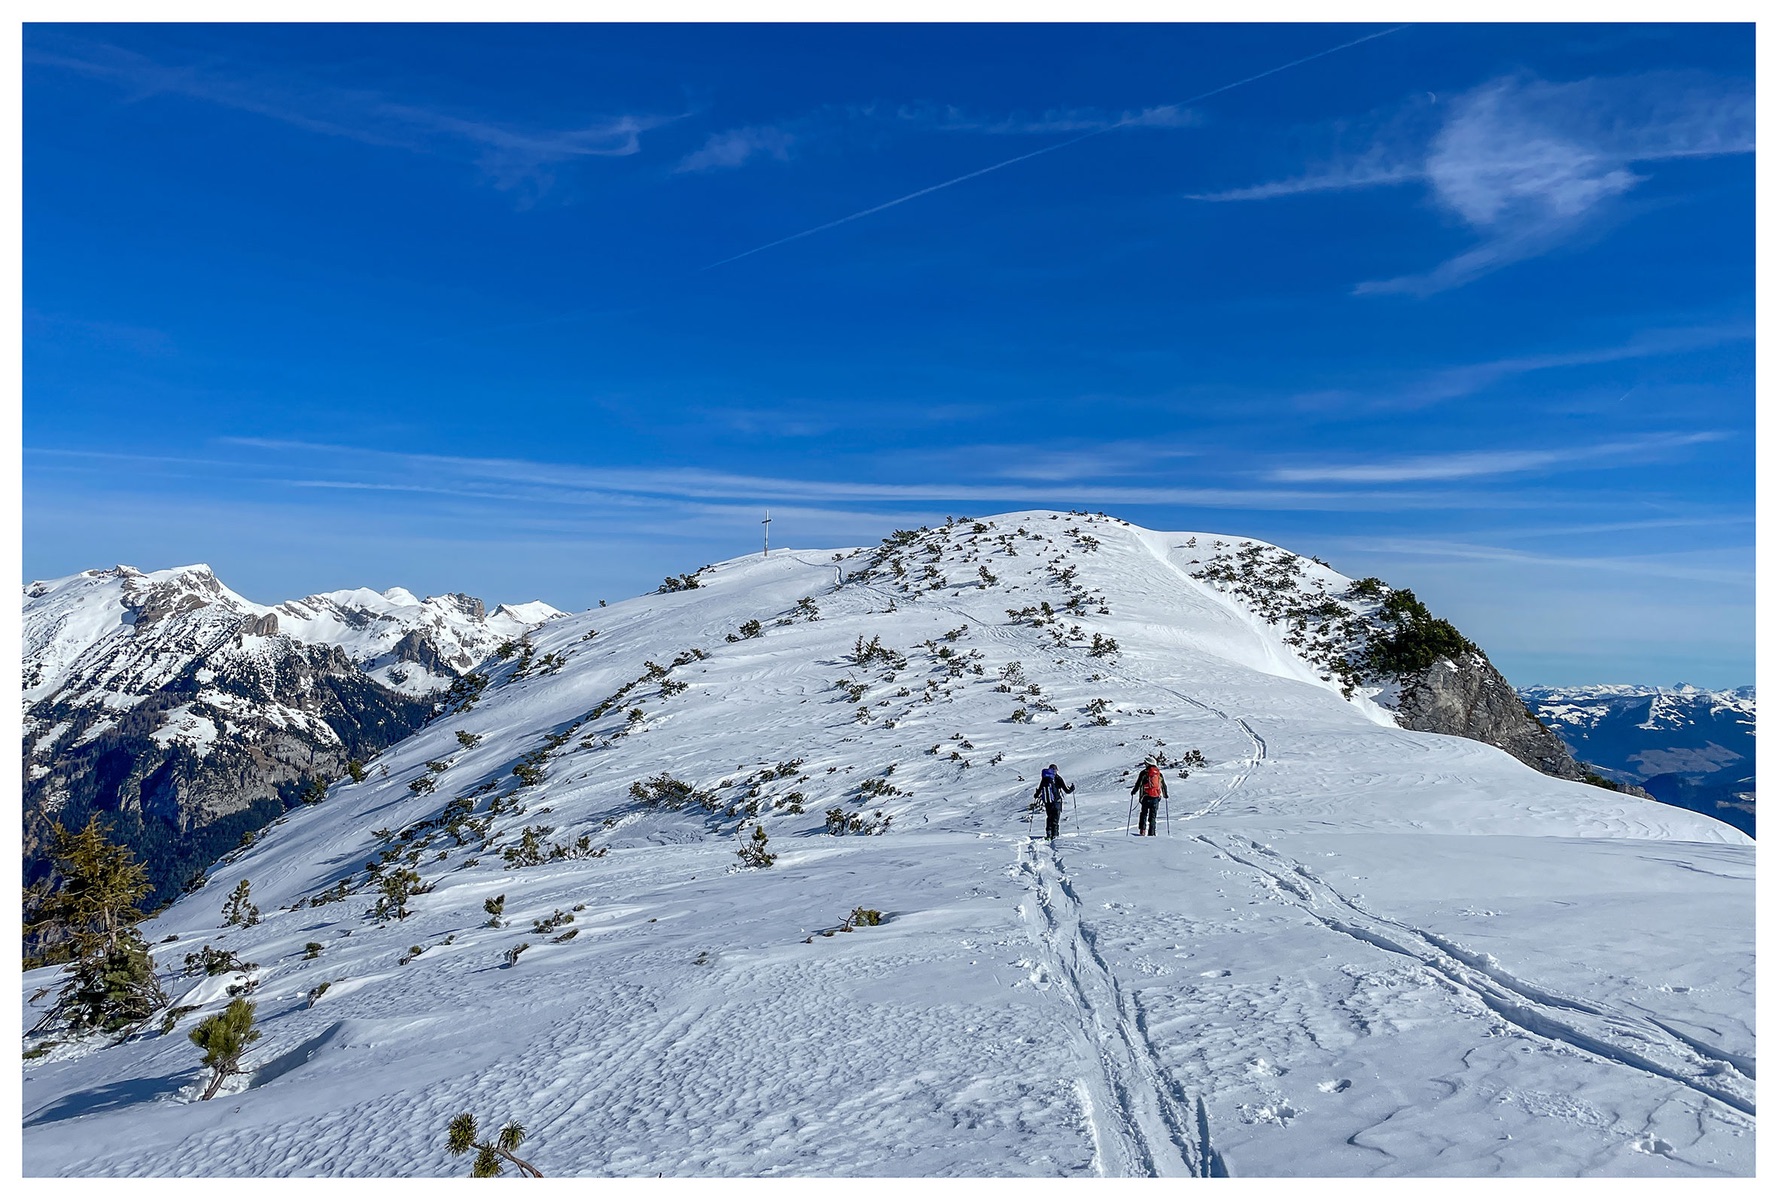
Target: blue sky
552,311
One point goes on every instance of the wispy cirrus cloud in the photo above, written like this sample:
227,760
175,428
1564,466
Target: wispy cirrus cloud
323,467
1479,464
1668,566
510,154
952,119
1466,379
836,126
737,147
1525,163
1403,391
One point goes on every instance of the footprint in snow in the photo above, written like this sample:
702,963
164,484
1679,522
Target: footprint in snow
1213,974
1648,1143
1269,1114
1334,1085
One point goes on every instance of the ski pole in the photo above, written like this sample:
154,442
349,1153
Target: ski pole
1168,809
1128,811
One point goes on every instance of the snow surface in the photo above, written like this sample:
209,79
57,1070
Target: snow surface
1357,951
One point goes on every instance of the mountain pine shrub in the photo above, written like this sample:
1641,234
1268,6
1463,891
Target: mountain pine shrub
211,961
753,853
552,922
664,791
239,908
397,888
461,1138
224,1038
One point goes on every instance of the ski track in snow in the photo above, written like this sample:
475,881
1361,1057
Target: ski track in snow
1142,1124
1639,1043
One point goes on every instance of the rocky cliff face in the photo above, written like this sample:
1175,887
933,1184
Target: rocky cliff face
1467,697
191,716
1380,644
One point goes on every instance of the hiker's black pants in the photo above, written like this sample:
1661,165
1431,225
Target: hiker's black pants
1052,810
1145,818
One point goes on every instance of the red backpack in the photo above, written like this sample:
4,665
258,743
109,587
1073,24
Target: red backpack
1151,782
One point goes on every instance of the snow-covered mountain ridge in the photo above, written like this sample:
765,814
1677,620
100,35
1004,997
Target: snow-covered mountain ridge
171,699
1360,949
1690,746
90,630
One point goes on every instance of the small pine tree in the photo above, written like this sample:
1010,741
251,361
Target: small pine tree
754,853
397,888
110,983
224,1038
239,908
461,1138
356,770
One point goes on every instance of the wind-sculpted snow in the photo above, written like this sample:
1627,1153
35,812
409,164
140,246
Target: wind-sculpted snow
1355,950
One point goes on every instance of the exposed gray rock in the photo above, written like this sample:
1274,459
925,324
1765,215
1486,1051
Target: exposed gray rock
1469,698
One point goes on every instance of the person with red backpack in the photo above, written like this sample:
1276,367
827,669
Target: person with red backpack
1152,786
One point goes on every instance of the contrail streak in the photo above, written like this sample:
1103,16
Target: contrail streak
927,191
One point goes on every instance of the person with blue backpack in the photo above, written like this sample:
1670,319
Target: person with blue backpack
1050,789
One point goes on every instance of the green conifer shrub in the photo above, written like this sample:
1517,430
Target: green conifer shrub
92,920
462,1137
754,853
397,888
224,1038
239,908
211,961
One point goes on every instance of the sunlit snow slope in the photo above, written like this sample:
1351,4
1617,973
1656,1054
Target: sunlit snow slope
1356,950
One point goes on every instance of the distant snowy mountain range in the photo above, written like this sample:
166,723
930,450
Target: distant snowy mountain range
196,715
736,880
1685,745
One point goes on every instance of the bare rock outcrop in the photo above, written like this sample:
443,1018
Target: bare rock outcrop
1468,698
